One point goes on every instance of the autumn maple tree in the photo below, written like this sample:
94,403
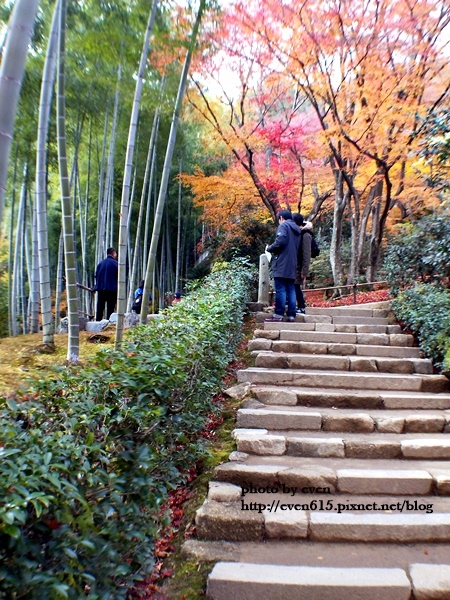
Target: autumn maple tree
367,71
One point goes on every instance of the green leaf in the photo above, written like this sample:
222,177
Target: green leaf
12,404
61,588
70,553
12,531
47,458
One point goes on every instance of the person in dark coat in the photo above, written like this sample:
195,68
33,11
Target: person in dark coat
106,276
303,260
284,265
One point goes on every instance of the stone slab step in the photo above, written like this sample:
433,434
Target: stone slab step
343,379
341,475
335,349
308,553
338,337
323,397
348,445
260,318
328,362
270,330
428,569
322,500
343,420
380,527
242,581
325,519
349,311
318,322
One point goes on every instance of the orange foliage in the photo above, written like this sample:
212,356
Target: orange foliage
225,200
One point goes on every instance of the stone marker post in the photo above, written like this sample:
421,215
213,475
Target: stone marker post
263,287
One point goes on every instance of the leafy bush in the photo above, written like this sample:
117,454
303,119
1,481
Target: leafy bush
425,310
420,251
89,457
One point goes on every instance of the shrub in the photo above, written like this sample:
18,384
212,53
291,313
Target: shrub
425,309
89,457
420,251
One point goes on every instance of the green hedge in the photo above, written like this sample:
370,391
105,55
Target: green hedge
419,252
425,310
88,458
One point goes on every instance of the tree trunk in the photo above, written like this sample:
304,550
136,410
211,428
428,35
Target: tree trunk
151,192
73,344
167,164
124,205
59,280
137,243
336,239
104,212
48,78
17,265
34,276
12,68
178,265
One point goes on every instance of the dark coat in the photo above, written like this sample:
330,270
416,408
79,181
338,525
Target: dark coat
106,275
304,253
284,250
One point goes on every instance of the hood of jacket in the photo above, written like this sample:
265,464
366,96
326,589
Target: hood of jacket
307,227
292,226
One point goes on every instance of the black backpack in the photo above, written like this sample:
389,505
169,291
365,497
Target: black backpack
315,250
137,304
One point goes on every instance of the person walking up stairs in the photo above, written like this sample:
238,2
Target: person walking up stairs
340,485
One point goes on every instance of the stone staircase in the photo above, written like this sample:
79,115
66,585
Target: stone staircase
340,485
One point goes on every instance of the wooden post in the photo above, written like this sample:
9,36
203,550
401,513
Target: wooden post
263,287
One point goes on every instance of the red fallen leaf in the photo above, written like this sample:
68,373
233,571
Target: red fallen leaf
166,573
53,523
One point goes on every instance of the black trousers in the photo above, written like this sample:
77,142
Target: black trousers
108,298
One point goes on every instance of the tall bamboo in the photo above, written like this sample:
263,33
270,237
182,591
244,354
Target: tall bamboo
67,215
12,68
178,265
124,205
48,78
168,164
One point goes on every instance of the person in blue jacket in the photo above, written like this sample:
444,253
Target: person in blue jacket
284,265
106,276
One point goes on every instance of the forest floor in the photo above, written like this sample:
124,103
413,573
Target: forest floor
23,357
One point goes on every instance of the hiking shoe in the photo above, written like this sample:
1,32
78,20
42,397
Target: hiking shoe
273,319
300,311
290,319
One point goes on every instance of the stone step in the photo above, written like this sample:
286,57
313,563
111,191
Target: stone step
335,349
344,379
323,397
328,362
325,319
323,519
428,570
243,581
270,330
349,311
304,552
338,337
343,420
340,475
349,445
